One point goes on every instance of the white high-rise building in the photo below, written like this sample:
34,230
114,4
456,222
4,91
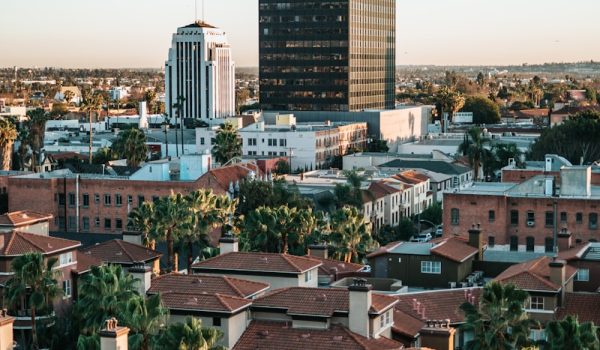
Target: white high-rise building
200,69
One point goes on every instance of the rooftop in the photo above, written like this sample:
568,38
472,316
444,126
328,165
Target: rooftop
452,248
533,275
117,251
586,306
204,302
18,243
438,166
437,305
205,284
258,262
23,217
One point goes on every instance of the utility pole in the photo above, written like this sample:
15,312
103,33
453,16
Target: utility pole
178,106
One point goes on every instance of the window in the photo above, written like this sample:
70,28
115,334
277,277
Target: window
308,276
96,198
431,267
97,221
60,221
129,199
141,200
72,199
491,216
272,142
593,221
86,200
251,142
107,199
537,303
514,243
118,200
66,286
549,219
61,199
155,199
86,223
514,217
530,219
530,244
216,322
583,275
202,140
579,218
563,217
385,319
454,216
491,241
66,258
72,223
282,142
107,223
118,224
549,244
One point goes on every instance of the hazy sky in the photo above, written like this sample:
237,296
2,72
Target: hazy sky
137,33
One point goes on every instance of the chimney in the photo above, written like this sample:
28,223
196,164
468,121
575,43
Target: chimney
318,250
143,274
6,331
113,337
476,241
437,334
228,244
359,306
557,276
132,237
565,242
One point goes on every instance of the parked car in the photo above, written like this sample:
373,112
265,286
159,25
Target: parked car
366,268
422,238
439,232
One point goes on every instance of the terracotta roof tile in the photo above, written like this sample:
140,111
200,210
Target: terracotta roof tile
230,174
341,266
85,262
204,302
454,249
533,275
586,306
117,251
439,305
411,177
384,250
406,324
203,284
268,335
318,301
23,217
19,243
258,262
380,189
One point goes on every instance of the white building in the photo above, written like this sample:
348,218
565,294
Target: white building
200,68
118,93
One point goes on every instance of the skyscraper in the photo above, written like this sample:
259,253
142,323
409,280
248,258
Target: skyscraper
200,69
327,55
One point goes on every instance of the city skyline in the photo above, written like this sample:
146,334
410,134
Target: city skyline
123,34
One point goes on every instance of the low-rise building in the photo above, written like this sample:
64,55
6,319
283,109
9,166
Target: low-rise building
25,221
586,259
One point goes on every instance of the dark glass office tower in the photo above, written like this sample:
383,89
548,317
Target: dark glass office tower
327,55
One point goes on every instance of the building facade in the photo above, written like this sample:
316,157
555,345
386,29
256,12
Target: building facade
200,69
327,55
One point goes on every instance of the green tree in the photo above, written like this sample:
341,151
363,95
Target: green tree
577,139
145,318
171,215
150,98
484,110
37,129
92,102
228,144
569,334
143,219
480,79
448,101
350,235
433,213
131,145
189,335
68,97
378,146
282,167
33,287
403,232
499,322
254,194
103,156
8,135
475,148
349,194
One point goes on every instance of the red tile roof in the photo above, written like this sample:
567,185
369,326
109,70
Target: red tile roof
205,284
23,217
85,262
438,305
318,301
227,175
380,189
586,306
532,113
268,335
454,249
384,250
18,243
406,324
411,177
533,275
341,266
204,302
117,251
258,262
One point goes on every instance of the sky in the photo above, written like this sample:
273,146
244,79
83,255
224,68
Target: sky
137,33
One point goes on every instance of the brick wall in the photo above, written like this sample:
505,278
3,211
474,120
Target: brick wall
522,175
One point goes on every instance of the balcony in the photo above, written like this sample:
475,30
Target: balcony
23,319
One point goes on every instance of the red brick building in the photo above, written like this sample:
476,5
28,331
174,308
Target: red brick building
101,203
520,216
550,166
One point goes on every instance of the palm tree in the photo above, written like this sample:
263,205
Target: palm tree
499,322
131,144
228,144
143,219
448,101
474,147
8,135
92,102
150,97
37,130
33,286
569,334
171,216
178,106
351,235
190,335
145,319
68,96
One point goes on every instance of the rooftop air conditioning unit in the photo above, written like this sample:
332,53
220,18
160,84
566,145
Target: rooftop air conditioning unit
530,223
452,285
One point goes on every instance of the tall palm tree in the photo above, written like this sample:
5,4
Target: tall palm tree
475,147
131,144
33,286
228,144
350,235
569,334
190,335
37,129
143,219
8,135
68,96
92,102
172,216
448,101
499,322
145,319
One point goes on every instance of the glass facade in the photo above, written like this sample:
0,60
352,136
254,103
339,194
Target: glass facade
327,55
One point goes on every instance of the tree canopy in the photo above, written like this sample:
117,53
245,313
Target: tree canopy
484,110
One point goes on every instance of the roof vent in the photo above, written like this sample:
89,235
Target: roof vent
197,281
264,333
338,338
321,297
305,336
265,259
119,253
